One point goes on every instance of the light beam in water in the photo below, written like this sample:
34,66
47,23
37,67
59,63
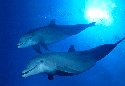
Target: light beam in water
99,11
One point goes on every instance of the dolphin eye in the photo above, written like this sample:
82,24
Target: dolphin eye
41,61
30,37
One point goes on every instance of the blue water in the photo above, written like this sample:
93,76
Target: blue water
20,16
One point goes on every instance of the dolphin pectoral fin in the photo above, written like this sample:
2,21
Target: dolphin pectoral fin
50,77
45,46
37,49
71,48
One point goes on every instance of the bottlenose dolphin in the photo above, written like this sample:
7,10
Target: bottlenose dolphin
49,34
67,63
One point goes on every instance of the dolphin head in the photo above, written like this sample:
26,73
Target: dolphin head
35,66
27,40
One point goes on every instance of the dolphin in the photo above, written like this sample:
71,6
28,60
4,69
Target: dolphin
67,63
50,34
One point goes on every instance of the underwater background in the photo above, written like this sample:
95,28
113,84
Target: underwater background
19,16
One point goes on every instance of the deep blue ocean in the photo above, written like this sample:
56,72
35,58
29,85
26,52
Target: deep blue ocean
19,16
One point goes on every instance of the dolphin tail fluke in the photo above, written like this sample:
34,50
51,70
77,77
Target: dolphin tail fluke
120,41
92,24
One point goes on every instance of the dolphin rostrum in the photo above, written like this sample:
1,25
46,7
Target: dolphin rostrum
49,34
67,63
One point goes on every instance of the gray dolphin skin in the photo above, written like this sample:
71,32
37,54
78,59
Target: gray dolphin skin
49,34
67,63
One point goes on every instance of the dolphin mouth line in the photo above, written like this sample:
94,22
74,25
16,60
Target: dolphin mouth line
29,70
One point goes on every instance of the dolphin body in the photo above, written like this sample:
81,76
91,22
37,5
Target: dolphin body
67,63
49,34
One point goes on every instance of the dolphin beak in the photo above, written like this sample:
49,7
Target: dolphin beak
18,46
24,72
24,76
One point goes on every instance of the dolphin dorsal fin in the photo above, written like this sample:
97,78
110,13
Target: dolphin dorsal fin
71,48
52,22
